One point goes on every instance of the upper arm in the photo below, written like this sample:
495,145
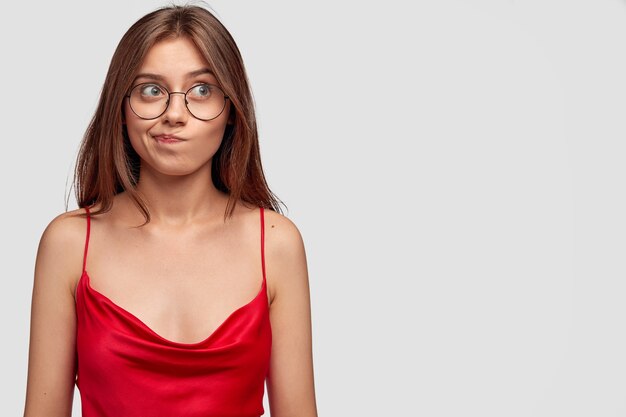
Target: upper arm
290,383
51,359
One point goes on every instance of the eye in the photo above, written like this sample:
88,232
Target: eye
151,90
201,91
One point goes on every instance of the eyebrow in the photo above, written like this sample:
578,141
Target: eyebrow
191,74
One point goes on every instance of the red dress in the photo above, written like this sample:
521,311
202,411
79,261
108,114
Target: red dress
125,369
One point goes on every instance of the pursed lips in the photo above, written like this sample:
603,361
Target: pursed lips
167,138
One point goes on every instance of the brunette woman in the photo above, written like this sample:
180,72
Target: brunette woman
178,288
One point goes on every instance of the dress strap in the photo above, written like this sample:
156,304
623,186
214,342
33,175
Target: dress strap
86,238
262,242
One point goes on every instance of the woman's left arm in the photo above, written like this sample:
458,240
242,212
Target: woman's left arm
290,383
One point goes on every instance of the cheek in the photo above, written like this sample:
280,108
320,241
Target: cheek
205,143
135,127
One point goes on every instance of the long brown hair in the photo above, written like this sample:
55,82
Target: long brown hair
107,164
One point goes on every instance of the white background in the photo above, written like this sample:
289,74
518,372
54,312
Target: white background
455,167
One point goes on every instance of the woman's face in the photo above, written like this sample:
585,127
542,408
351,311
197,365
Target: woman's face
169,64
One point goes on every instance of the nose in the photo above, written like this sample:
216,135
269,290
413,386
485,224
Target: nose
176,111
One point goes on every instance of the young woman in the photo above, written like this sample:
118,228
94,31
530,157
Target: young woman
178,288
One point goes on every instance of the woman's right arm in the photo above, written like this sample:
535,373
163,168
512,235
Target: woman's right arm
51,358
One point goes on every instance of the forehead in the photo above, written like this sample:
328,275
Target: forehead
173,59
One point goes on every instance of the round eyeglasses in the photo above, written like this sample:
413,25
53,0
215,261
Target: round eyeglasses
204,101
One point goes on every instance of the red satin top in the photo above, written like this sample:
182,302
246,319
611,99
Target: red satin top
125,369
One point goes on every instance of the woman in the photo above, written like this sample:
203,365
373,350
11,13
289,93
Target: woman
176,233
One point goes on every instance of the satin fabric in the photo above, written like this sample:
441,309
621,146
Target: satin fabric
125,369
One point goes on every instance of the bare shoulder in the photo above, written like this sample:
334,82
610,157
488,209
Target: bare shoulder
285,256
284,237
65,229
61,246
